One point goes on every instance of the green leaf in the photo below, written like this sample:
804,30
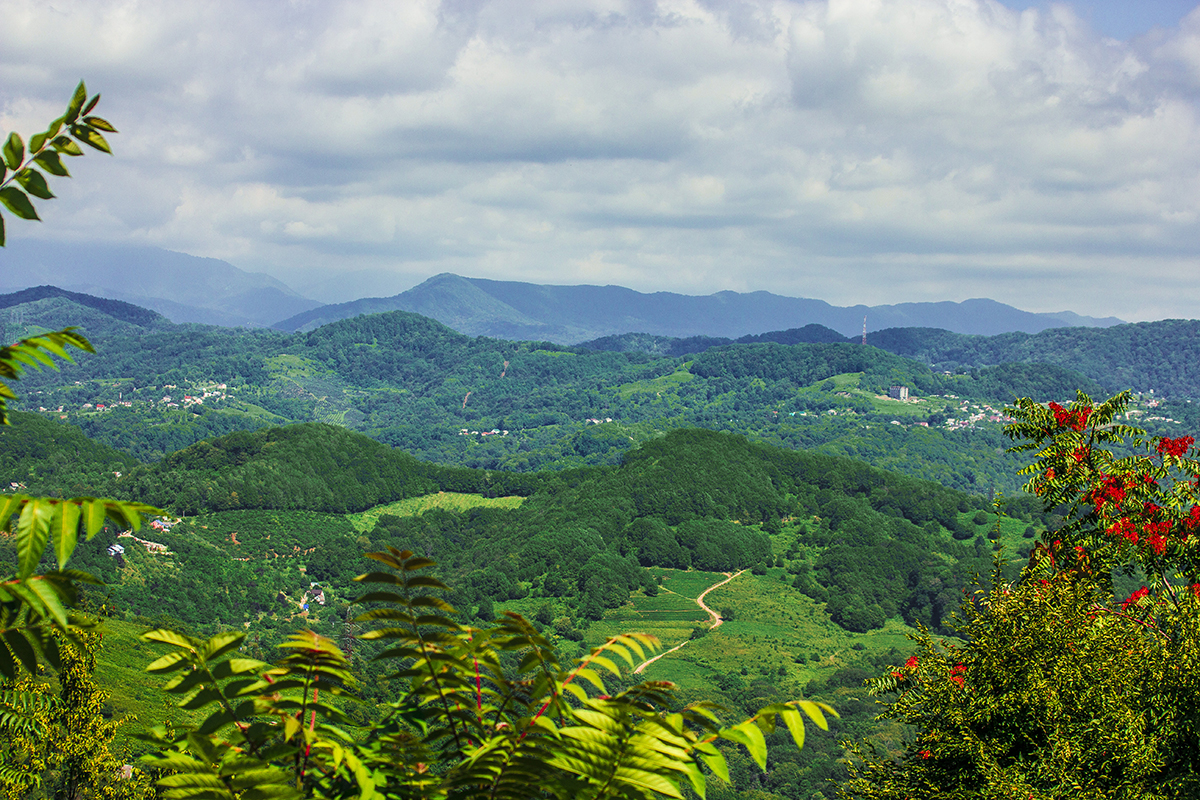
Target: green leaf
221,644
91,137
692,770
200,699
2,245
49,161
170,662
16,202
50,599
751,736
65,532
21,648
14,151
165,636
76,104
91,104
102,124
815,712
64,145
795,724
33,529
34,183
94,516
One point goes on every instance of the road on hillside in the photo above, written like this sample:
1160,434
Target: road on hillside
714,616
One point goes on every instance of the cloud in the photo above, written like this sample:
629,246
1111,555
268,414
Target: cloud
854,150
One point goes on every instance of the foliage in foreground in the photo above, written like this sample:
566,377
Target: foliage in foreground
486,712
1063,690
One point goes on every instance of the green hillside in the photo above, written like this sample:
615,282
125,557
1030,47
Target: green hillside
492,404
1147,355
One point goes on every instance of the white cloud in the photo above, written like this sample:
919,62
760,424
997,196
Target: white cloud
854,150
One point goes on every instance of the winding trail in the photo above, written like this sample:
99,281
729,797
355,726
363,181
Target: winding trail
714,616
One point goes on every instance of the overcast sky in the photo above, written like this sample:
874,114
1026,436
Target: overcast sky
875,151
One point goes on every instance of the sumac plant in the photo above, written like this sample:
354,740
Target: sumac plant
1058,688
465,726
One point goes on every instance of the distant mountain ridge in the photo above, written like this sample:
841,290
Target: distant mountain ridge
181,287
117,309
573,314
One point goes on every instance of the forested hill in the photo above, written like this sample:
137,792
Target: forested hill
872,544
305,467
117,309
1164,356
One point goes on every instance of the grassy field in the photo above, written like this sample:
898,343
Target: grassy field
134,694
415,506
777,631
664,383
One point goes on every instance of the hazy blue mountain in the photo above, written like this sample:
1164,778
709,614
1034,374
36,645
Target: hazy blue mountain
572,314
181,287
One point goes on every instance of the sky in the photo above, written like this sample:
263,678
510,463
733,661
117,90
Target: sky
1045,155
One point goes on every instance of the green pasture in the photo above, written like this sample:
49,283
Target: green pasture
415,506
688,583
134,693
663,383
777,632
293,366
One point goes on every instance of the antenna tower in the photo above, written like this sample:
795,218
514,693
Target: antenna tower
864,330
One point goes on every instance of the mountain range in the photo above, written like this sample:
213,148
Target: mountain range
186,288
573,314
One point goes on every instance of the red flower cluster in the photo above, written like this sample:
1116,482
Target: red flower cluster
1112,490
1175,447
1133,599
956,674
1124,528
1075,420
1192,520
912,662
924,753
1156,535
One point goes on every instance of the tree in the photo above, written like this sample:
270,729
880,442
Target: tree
1062,689
81,763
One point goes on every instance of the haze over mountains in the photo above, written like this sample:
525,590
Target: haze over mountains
181,287
186,288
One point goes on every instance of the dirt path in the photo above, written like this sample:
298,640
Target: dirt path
715,618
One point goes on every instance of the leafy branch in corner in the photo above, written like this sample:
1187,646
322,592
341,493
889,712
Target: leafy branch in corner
19,174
